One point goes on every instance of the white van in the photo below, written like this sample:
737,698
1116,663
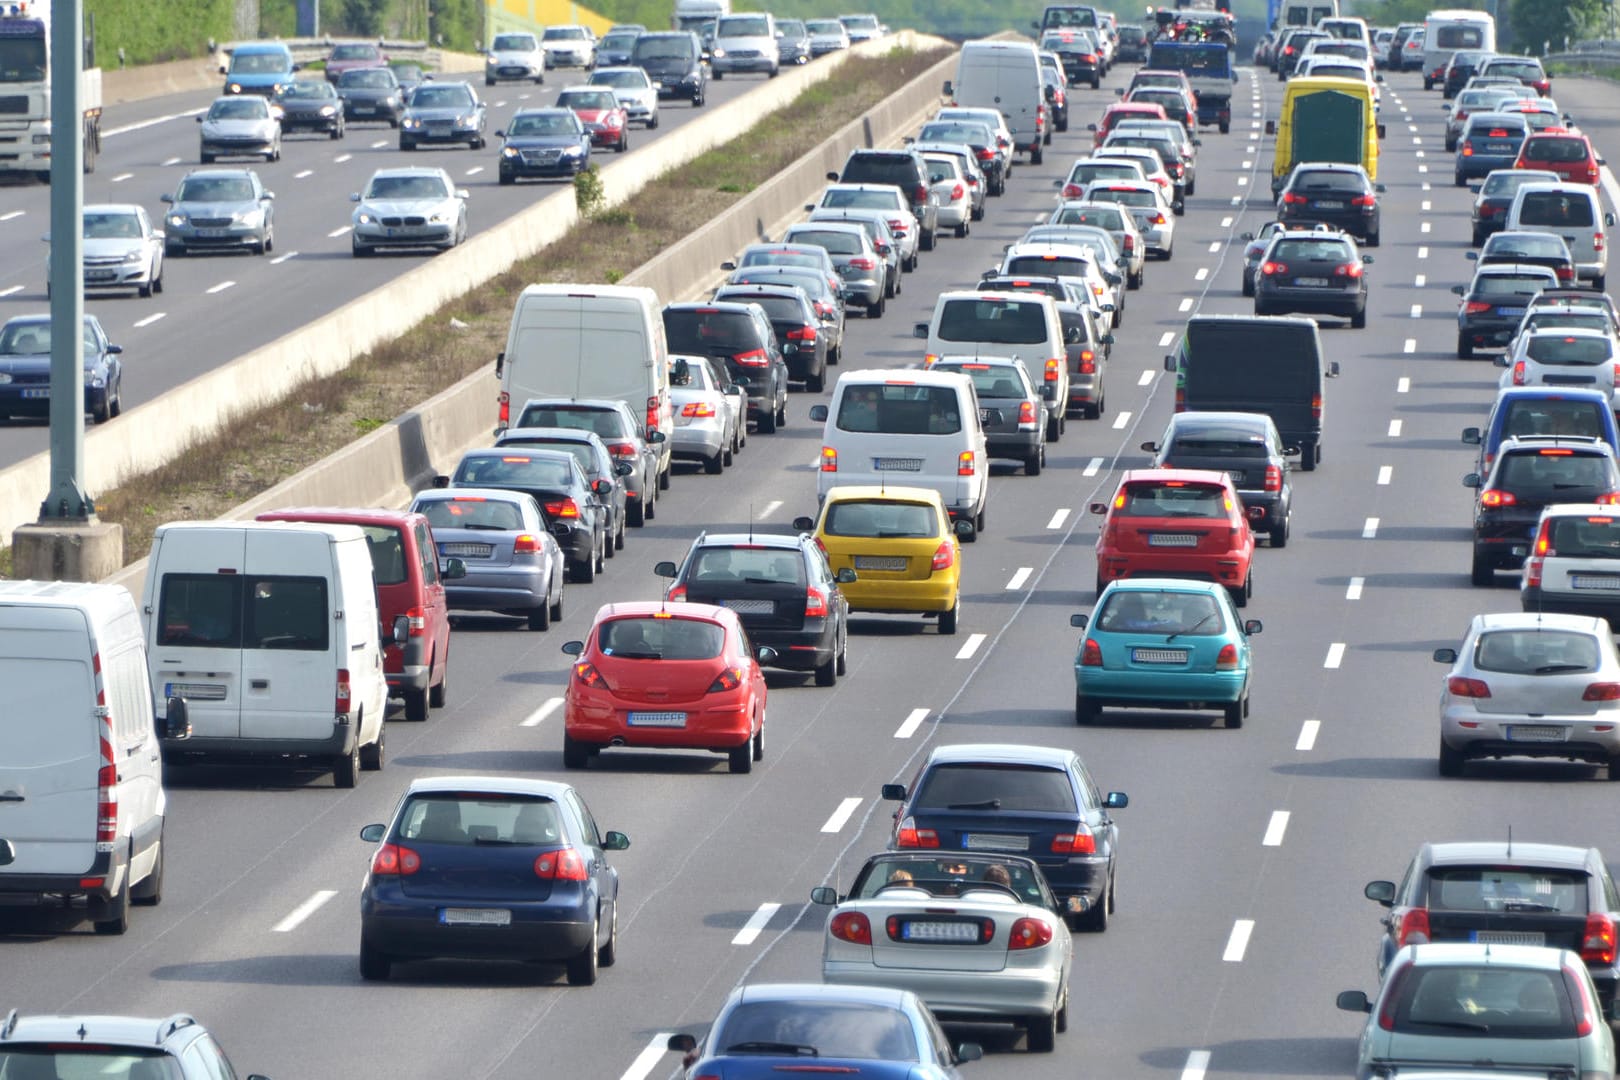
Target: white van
81,775
1574,212
1348,28
265,635
1446,32
1004,75
917,428
1027,325
590,341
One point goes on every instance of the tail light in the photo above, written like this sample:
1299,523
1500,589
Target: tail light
1414,928
1476,307
803,333
829,459
1349,270
897,226
654,407
1073,191
1269,268
564,864
1316,406
1490,210
1391,996
958,192
861,262
815,604
1158,219
393,860
1591,172
1175,169
1608,498
1181,399
586,672
1228,658
1459,686
1467,150
727,680
1293,199
944,556
1534,566
984,153
1054,368
752,358
1130,244
1026,415
1518,373
919,194
851,926
1597,241
697,409
1273,478
1598,941
677,594
965,464
1091,654
506,409
342,698
562,508
1565,273
622,449
1495,497
1602,691
107,800
1577,983
1088,362
526,544
1090,58
910,836
417,618
1544,544
1079,842
1029,933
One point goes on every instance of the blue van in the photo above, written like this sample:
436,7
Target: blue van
1528,411
260,67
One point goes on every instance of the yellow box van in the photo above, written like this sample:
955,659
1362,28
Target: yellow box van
1325,119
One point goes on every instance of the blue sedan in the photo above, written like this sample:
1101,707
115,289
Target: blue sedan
1163,644
498,868
25,369
767,1029
543,143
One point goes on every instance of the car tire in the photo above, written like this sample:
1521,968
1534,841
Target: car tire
1481,571
976,213
843,654
948,619
740,759
144,291
1236,711
663,480
207,159
1458,180
585,572
104,413
556,604
439,692
407,144
1054,428
148,892
540,617
827,674
652,125
1035,156
375,964
1465,350
1452,760
624,143
1240,596
816,382
117,406
335,133
758,742
1310,455
1096,920
1041,1033
875,311
618,538
1601,282
1032,464
1372,238
717,75
416,704
714,465
1358,319
767,422
157,282
582,969
925,242
608,954
1086,711
1279,534
575,753
1248,285
1226,127
636,512
962,230
372,754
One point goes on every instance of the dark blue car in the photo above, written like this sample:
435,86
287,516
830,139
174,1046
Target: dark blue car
494,868
1489,141
543,143
25,369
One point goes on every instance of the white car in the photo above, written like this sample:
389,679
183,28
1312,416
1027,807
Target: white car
710,418
1562,356
121,249
1148,204
1152,168
635,90
1098,241
568,46
408,208
514,55
950,183
1574,562
884,197
1066,261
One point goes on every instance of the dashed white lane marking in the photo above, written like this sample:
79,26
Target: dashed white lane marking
1369,529
1409,346
221,287
1417,311
1420,281
303,911
10,289
474,171
770,508
1186,304
1424,227
1040,217
1238,943
279,259
301,173
171,161
1385,474
1411,127
841,815
1425,206
1335,656
1121,420
1426,186
1058,518
1418,154
547,707
1403,385
1091,467
335,233
1353,590
1423,168
1417,140
1275,829
153,122
10,215
1203,272
1423,253
1214,247
121,177
755,924
1307,735
970,646
1242,180
912,722
1237,200
150,319
1255,124
1226,223
1147,377
649,1057
1197,1063
1166,338
1248,164
1018,579
379,144
341,158
1395,429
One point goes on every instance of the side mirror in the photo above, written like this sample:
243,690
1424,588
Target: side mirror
765,654
1459,290
7,853
1333,370
818,413
1151,447
602,486
1471,256
166,199
846,576
804,524
969,1051
1380,135
1608,219
683,1044
1474,188
1198,142
893,793
1501,361
824,894
1379,188
1098,508
1353,1001
919,330
115,350
1051,94
664,569
1471,436
963,527
655,437
810,208
1057,183
1271,127
1446,107
1602,161
200,119
1445,656
500,133
613,840
1116,800
882,249
1246,237
947,89
623,468
1091,127
1169,362
1106,339
1079,620
400,632
573,648
500,362
1381,891
1367,259
223,70
354,196
1253,626
833,177
177,719
1472,480
441,481
728,266
373,834
453,569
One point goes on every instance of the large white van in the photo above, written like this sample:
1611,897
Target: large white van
917,428
267,634
1574,212
1027,325
590,341
1446,32
1004,75
81,775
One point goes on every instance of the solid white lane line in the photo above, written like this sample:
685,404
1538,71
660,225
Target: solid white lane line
970,646
1420,281
649,1057
1239,941
301,173
1147,377
279,259
121,177
10,289
1370,529
770,508
1121,420
840,816
1385,474
341,158
1335,656
755,924
335,233
1214,247
1164,339
1423,253
221,287
913,721
1410,345
1307,735
547,707
1058,519
1092,466
1019,577
1275,829
1403,385
1417,311
1186,304
153,122
1203,272
1197,1063
150,319
1353,592
303,911
1395,429
11,214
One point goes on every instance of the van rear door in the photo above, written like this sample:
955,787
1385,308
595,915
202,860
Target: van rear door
1248,366
196,637
289,643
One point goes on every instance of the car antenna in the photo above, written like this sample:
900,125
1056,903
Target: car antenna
750,523
1510,842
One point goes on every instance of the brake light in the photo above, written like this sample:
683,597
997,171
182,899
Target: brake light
1158,219
1597,241
564,864
653,409
586,672
851,926
417,618
1414,928
1028,933
697,408
944,556
1533,568
1091,654
803,333
1497,133
563,508
861,262
1026,415
1391,995
1273,478
1459,686
1602,691
1518,373
1088,362
965,464
1316,406
1293,199
106,798
1578,982
1468,150
1491,210
1130,244
1268,268
1228,658
1090,58
1349,270
1598,942
957,192
910,836
1610,498
526,544
1565,273
1073,191
729,679
1476,307
341,699
815,604
394,860
1591,172
506,409
1079,842
1494,497
752,358
677,593
919,194
897,226
829,459
984,153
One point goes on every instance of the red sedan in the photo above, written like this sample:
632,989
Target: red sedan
1567,153
1186,523
666,675
599,110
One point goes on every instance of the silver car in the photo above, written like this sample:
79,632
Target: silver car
1574,562
885,197
826,36
972,175
220,209
514,566
121,249
950,184
856,259
240,126
514,55
1531,684
408,208
1563,356
568,46
1119,223
1146,202
708,416
447,112
635,90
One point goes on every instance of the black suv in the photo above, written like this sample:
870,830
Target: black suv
1463,66
1529,474
1337,195
674,61
782,589
904,169
742,336
1318,272
1245,446
796,324
174,1048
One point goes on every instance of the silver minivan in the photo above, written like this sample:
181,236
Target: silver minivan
744,43
1574,212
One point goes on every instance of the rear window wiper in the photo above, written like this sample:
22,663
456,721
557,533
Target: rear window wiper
987,804
1549,669
1456,1025
623,655
1527,906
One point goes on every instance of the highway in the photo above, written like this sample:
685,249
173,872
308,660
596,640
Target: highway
1243,852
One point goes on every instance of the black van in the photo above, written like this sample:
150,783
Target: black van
674,61
1263,364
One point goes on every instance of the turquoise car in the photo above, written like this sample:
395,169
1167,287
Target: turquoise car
1163,643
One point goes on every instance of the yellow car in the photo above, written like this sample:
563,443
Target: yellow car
902,546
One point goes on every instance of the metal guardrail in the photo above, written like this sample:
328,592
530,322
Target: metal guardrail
1604,57
305,50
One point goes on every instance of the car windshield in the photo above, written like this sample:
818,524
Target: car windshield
516,470
1142,200
900,409
355,52
472,819
657,48
565,33
778,257
73,1063
472,512
1482,1002
884,519
1563,349
240,108
970,134
825,26
1506,183
1221,443
1328,181
587,99
624,80
997,322
215,189
1137,611
1045,265
816,1028
949,878
942,169
660,637
995,786
607,423
310,90
1103,217
514,43
582,452
1595,536
859,22
543,124
407,187
746,566
258,63
776,308
1495,126
1554,474
34,339
369,79
1569,320
1497,889
442,97
1087,172
742,26
111,226
1172,499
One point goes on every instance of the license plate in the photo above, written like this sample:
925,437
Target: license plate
1510,311
1508,937
900,464
461,916
1329,204
994,842
1180,540
656,719
880,562
1310,281
1497,147
1536,733
194,691
99,275
364,110
1594,581
462,550
1159,656
960,932
750,607
212,234
37,394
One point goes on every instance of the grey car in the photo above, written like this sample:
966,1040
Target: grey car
311,105
875,223
855,258
792,42
220,209
371,94
620,430
826,36
408,208
1011,411
176,1047
442,113
514,565
242,125
594,461
710,412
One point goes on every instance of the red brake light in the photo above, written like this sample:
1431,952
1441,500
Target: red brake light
1130,244
1029,933
1349,270
1577,983
861,262
341,702
506,409
1273,478
677,594
525,544
564,864
944,556
829,459
1091,654
586,673
984,154
1073,191
1598,942
1088,362
654,406
1079,842
851,926
752,358
919,194
1158,219
1026,413
1603,691
1458,686
815,604
1268,268
1054,367
697,408
729,679
393,860
957,192
1292,198
1391,994
1414,928
803,333
1494,497
1468,150
910,836
106,800
1228,658
622,449
1518,373
562,508
1498,133
965,464
1476,307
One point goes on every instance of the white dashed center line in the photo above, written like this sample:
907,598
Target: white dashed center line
1410,345
1237,200
547,707
1385,474
1058,518
221,287
1307,735
841,815
1395,429
912,722
649,1057
1197,1063
1239,941
171,161
1121,420
1417,311
475,170
301,173
121,177
379,144
970,646
1164,339
10,215
1186,304
1019,577
1335,656
1216,246
1423,253
1425,206
341,158
1147,377
1242,180
279,259
1091,466
770,508
1420,281
150,319
1275,829
1424,227
303,911
1226,223
335,233
1203,272
755,924
1403,385
1369,530
1353,591
11,289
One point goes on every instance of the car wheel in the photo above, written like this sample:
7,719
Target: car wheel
977,213
114,914
1452,759
981,523
1086,711
1465,349
1054,428
1134,281
714,465
1279,534
117,406
624,143
636,512
556,604
1096,919
1063,1014
875,311
926,242
1358,319
103,413
781,409
1248,284
439,692
609,953
651,506
1240,595
371,755
207,159
1032,464
729,454
817,381
718,75
585,572
374,963
148,892
1035,156
1310,455
618,537
652,124
767,421
759,741
947,619
962,230
575,753
582,968
843,654
827,674
1372,238
506,178
1042,1033
1236,711
1601,282
740,759
416,704
144,291
407,144
346,769
601,554
1482,572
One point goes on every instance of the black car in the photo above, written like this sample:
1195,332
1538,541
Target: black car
826,292
311,106
616,48
1462,66
1317,272
594,460
1529,474
1077,48
1494,197
371,94
577,514
1494,303
1550,894
1339,195
674,60
797,325
621,430
792,42
782,589
1287,54
1528,249
1132,46
742,336
25,369
904,169
1012,411
1246,447
543,143
443,113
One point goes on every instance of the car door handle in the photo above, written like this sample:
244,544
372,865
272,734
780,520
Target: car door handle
259,684
12,796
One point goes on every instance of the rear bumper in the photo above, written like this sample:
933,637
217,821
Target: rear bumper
262,751
960,995
498,591
1228,569
1535,598
798,650
55,890
1167,689
405,928
927,595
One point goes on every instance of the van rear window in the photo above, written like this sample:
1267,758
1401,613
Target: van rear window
242,611
894,409
1458,37
996,322
387,547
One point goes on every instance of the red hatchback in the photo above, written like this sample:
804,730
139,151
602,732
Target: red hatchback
1125,110
667,675
1567,153
1186,523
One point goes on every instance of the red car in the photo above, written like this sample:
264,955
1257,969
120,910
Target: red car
349,55
1567,153
599,110
1185,523
405,563
1125,110
668,675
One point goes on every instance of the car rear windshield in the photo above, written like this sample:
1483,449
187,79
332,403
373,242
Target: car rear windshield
969,134
900,409
514,470
1594,536
1562,350
857,199
882,519
986,786
776,308
243,611
471,513
827,1029
1103,217
1500,183
1505,285
582,452
746,566
368,78
995,322
1220,442
1142,200
1519,69
479,819
1536,652
660,638
1328,180
901,171
836,243
780,258
1182,613
990,380
1172,499
608,423
940,170
387,547
1569,320
1319,250
1554,148
1550,416
1555,475
1557,210
1497,889
1454,1000
704,330
1541,245
1088,171
1458,37
1045,265
73,1063
1495,127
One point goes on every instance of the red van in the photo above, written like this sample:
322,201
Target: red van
405,564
